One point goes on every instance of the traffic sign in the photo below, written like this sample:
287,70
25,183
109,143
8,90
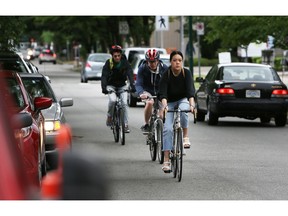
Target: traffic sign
200,28
162,23
123,28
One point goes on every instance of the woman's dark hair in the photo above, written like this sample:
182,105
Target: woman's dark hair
175,52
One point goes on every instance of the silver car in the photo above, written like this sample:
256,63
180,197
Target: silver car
38,85
92,69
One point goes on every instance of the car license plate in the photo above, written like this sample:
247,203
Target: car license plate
252,93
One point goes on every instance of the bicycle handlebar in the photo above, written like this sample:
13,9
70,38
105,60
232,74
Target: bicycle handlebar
186,111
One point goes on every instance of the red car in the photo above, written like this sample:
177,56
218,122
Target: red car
31,143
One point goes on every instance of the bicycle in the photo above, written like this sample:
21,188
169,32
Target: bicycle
176,154
154,137
118,123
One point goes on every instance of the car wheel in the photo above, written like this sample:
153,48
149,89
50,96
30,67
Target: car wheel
281,120
40,62
265,120
54,62
132,101
212,118
200,116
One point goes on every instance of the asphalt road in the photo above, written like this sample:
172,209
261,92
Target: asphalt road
234,161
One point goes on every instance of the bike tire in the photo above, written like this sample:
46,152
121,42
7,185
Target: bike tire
179,155
121,126
115,127
173,156
159,140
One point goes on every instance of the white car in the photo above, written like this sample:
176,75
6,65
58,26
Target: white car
137,61
130,52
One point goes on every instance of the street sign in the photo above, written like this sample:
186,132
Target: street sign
200,28
123,28
162,23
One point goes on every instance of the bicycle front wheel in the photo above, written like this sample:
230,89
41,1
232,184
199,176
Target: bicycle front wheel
159,140
115,126
179,155
121,126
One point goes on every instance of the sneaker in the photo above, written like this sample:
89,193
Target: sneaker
186,142
109,121
126,129
145,129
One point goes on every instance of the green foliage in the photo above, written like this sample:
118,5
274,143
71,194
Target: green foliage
10,28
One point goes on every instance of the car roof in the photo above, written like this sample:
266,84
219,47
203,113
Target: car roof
243,64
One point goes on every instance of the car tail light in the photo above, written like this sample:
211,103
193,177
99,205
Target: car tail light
54,55
226,91
41,55
280,93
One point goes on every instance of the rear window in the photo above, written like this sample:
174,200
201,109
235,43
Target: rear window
248,73
49,52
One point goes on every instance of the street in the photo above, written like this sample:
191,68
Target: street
236,160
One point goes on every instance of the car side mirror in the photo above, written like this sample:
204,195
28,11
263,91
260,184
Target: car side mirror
199,79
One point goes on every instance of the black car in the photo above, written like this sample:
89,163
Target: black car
244,90
13,62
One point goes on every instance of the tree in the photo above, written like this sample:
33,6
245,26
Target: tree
10,28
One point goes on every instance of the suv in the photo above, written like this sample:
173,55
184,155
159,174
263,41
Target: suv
47,56
131,51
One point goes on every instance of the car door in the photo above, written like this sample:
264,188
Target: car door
206,88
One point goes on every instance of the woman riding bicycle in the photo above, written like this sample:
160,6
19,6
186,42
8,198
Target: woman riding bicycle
147,83
176,89
115,73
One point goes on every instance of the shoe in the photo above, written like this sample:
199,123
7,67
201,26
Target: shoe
166,167
145,129
109,121
186,143
126,129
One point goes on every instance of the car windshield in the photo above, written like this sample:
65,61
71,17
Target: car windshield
38,87
99,58
248,73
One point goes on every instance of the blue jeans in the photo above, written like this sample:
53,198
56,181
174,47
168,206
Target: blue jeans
112,101
168,125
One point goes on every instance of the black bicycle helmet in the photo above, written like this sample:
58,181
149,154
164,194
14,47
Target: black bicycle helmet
116,48
152,55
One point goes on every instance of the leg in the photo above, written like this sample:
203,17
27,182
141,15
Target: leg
184,105
111,105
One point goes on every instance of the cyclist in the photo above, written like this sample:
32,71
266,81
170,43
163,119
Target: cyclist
176,88
116,71
147,82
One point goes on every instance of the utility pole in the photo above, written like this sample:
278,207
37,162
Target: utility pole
190,47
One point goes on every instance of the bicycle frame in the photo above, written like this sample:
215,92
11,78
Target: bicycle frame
176,155
155,136
118,123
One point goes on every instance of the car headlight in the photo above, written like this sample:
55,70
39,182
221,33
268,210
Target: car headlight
52,125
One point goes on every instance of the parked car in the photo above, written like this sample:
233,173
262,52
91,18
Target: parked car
130,52
138,60
33,68
38,85
14,183
244,90
47,55
13,62
92,69
32,147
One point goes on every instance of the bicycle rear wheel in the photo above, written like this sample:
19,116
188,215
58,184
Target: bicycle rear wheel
115,126
173,156
179,155
121,126
159,140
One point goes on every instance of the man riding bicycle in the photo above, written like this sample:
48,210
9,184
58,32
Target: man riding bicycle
147,83
115,73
